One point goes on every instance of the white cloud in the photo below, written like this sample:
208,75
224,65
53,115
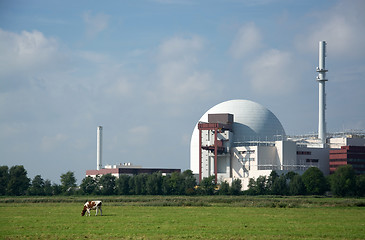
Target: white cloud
93,56
139,134
49,143
272,73
95,23
11,129
179,79
119,87
247,40
342,27
180,48
27,52
42,83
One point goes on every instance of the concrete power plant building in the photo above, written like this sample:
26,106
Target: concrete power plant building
241,139
117,170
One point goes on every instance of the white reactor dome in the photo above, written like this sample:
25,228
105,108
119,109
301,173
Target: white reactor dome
252,122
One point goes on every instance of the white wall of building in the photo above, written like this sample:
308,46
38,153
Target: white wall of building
338,142
243,161
313,157
254,161
287,151
267,158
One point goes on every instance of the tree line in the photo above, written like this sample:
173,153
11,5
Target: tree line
344,182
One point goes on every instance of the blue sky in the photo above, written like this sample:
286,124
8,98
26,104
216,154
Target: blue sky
148,70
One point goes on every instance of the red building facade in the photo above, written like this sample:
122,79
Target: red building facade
352,155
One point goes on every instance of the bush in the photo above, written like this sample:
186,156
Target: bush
296,186
360,185
279,186
224,188
208,185
343,181
314,181
236,187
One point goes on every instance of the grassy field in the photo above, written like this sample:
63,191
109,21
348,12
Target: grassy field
152,218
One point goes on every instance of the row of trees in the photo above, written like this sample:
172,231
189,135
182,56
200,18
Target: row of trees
14,182
344,182
312,182
142,184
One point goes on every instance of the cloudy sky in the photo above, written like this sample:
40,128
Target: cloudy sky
147,70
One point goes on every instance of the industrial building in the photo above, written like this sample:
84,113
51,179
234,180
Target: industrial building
128,169
120,169
241,139
353,155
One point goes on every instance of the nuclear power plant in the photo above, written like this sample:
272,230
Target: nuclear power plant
241,139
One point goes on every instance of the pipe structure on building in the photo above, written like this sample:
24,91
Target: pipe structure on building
98,147
216,148
321,78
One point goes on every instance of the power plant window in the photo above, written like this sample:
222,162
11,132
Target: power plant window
312,160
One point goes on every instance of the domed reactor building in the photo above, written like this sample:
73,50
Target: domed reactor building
241,139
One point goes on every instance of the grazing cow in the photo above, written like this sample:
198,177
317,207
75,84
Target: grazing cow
92,205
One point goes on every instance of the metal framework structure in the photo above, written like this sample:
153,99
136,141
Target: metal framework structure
217,147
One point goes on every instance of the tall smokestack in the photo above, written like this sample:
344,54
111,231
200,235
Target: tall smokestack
321,78
98,147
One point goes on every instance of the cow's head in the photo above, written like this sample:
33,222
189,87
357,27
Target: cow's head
83,211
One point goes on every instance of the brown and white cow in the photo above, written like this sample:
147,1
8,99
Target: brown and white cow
92,205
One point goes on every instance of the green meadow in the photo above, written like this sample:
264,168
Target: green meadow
151,217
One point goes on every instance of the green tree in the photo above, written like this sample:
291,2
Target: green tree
189,182
4,179
343,181
236,187
122,185
154,184
166,188
56,189
279,186
270,180
224,188
107,184
140,184
290,175
261,185
68,183
48,190
251,187
258,186
88,185
37,186
131,184
314,181
18,181
177,184
296,186
208,185
360,185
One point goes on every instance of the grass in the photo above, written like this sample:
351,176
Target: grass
219,218
238,201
